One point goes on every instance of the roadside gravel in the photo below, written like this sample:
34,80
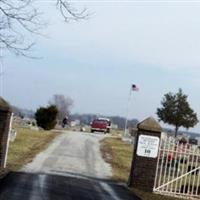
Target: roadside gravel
72,153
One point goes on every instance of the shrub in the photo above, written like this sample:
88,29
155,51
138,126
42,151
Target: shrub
46,117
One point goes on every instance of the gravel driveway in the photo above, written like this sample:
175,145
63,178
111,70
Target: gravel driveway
73,153
71,168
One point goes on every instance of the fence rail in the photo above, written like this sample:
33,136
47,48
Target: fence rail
178,169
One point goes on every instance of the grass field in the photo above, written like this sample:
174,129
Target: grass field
27,144
117,133
119,155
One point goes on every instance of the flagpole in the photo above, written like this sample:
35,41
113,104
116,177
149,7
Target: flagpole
127,112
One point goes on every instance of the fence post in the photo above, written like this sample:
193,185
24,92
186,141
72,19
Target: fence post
145,155
5,125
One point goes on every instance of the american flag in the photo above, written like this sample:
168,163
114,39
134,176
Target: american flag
135,88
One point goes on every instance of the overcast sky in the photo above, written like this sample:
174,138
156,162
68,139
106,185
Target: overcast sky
153,45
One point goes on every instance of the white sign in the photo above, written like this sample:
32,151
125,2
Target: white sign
148,146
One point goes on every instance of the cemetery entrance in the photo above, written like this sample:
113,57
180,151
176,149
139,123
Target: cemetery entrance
178,169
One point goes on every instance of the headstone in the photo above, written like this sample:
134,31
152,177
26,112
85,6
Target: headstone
145,155
5,127
13,135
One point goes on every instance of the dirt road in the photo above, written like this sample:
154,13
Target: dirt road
72,152
70,169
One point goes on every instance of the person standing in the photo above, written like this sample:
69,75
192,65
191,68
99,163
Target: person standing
65,121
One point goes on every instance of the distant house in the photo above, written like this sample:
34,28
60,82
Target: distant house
193,141
75,123
114,126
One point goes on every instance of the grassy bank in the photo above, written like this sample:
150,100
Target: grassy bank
119,155
26,146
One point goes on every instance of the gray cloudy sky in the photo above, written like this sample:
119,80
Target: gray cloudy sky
153,44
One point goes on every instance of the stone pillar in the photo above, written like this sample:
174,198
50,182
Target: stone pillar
5,125
145,155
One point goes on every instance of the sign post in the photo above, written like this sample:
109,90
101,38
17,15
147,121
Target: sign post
144,163
148,146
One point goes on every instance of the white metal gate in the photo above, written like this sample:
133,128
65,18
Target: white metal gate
178,169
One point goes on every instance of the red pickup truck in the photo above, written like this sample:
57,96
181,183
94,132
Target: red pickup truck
101,125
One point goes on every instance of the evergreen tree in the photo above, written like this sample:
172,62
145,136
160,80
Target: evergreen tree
176,111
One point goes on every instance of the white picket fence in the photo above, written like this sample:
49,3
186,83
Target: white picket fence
178,169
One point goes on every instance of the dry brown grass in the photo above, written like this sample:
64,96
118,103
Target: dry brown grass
119,155
26,146
117,133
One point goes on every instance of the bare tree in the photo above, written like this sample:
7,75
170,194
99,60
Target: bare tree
19,17
63,105
71,13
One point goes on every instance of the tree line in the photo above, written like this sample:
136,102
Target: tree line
175,110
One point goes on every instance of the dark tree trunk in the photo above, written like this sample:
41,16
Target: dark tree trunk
176,131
